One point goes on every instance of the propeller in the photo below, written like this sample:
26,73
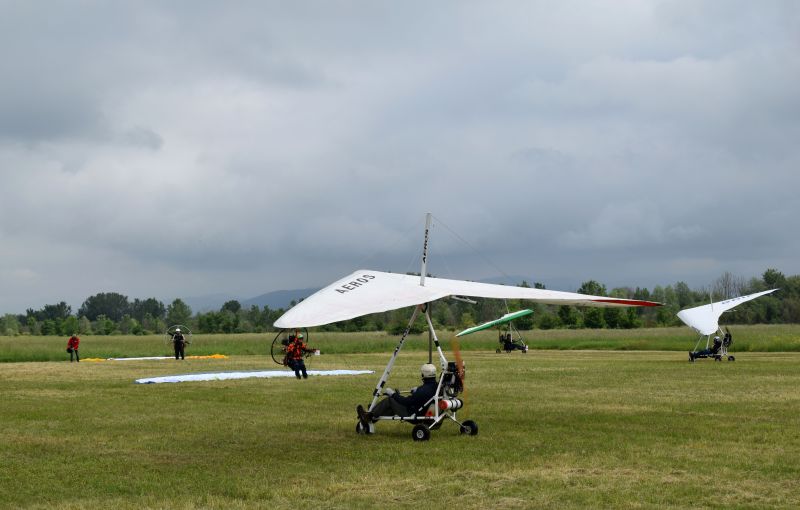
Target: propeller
460,385
278,349
187,333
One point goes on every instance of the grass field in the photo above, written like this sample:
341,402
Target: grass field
557,429
761,338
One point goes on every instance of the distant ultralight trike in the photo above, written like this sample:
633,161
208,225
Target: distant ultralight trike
705,320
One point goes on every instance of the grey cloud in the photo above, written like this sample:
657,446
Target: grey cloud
628,225
239,149
143,137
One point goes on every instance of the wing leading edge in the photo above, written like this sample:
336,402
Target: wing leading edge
365,291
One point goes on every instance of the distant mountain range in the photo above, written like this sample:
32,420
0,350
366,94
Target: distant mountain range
274,300
278,298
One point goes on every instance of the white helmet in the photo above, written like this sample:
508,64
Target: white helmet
427,370
177,330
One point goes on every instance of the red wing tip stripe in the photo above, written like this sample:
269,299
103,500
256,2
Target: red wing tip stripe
631,302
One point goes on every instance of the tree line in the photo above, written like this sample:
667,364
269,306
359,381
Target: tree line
111,313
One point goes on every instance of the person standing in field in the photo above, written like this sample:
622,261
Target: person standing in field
72,348
179,343
295,352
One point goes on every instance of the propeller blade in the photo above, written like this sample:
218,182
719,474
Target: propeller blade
455,346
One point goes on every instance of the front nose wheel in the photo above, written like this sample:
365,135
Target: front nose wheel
421,433
362,429
469,427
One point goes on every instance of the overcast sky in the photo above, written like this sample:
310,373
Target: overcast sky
175,149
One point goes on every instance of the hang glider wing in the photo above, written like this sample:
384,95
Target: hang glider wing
502,320
705,319
364,292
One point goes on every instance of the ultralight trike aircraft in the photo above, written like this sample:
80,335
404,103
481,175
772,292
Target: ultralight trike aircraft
509,337
705,320
366,291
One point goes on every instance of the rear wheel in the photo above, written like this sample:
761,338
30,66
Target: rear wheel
420,433
469,427
731,358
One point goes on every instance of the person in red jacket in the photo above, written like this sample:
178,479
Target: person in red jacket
72,348
295,352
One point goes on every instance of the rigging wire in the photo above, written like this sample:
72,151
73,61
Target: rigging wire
508,278
402,236
448,272
414,262
474,249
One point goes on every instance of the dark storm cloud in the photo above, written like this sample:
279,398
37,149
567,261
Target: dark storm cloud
198,148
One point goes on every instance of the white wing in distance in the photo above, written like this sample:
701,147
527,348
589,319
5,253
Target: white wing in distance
705,319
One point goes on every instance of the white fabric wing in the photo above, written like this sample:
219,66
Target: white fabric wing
225,376
705,319
364,292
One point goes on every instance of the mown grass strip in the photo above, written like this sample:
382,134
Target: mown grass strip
762,338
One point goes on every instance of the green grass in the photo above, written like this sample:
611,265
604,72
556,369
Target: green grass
557,429
761,338
50,348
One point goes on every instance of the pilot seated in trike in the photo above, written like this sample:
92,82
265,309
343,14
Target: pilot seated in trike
398,405
509,343
717,351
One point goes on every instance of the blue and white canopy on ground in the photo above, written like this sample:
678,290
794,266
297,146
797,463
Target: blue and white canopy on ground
502,320
364,292
705,319
225,376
